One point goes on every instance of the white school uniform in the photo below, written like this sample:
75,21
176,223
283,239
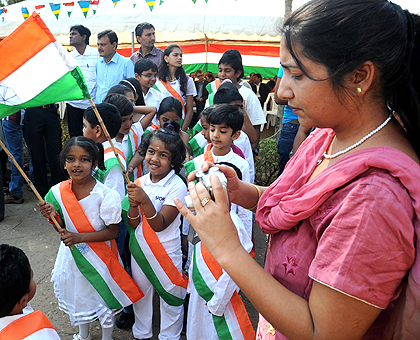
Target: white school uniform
153,98
171,318
252,106
243,143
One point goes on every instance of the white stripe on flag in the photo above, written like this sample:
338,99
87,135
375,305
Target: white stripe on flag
42,334
247,60
47,66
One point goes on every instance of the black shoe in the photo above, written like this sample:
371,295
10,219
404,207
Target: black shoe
13,198
125,320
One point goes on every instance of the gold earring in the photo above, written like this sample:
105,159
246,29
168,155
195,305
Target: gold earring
359,90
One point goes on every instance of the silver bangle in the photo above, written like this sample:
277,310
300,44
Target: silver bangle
133,218
151,218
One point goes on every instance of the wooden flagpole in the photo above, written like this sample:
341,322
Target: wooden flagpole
101,122
29,182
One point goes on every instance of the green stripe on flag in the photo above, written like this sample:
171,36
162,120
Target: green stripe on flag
189,167
196,149
95,279
197,128
65,88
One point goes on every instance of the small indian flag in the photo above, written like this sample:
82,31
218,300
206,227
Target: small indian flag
36,70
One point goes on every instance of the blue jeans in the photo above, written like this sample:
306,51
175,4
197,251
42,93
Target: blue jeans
14,135
285,144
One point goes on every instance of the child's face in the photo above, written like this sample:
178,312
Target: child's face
222,137
170,115
158,160
89,131
126,123
174,58
78,164
206,129
147,79
227,72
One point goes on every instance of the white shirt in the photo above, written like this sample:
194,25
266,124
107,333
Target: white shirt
153,98
252,106
243,143
87,64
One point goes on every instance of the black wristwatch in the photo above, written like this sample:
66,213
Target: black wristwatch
255,151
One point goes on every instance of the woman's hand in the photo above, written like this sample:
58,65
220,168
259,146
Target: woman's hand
136,194
220,238
233,182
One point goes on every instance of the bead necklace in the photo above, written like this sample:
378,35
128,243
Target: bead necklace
370,134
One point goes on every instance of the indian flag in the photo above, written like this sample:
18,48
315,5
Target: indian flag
36,69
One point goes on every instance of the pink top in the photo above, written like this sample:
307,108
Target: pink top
350,228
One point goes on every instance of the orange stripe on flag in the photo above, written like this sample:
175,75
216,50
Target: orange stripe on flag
101,249
13,54
25,326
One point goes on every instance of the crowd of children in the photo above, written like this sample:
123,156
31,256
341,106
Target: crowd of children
122,233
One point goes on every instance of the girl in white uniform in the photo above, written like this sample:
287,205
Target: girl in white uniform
156,248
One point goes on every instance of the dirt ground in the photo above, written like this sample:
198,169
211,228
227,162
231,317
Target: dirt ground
26,228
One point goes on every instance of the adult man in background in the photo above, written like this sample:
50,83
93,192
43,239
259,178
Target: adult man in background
112,67
86,57
146,37
201,97
262,90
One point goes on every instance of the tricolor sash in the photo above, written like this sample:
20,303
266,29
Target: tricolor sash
98,263
234,323
150,129
109,161
161,85
32,326
156,264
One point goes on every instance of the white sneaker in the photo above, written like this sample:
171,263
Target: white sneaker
79,337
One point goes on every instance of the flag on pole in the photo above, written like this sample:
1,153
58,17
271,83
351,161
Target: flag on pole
69,7
84,6
55,9
25,13
151,4
94,4
36,70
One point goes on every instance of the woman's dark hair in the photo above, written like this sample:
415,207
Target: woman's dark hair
95,150
343,34
136,86
15,277
180,74
234,59
125,107
169,135
170,104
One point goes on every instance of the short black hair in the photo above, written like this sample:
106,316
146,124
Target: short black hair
125,107
142,26
95,150
226,114
15,277
110,116
227,95
169,135
82,31
110,34
170,104
144,65
234,59
207,111
258,75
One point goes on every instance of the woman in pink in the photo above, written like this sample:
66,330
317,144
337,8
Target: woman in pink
343,218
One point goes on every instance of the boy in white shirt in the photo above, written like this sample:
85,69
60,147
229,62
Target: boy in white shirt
146,73
225,126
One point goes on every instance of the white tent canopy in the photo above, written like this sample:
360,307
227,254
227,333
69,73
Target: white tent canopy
187,20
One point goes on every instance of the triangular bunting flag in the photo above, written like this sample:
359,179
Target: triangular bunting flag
84,6
94,4
69,7
55,9
25,13
37,7
115,2
3,12
151,4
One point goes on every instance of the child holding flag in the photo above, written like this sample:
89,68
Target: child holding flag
89,280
